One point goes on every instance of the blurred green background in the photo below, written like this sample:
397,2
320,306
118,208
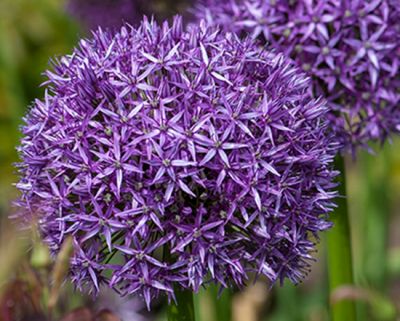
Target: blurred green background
34,31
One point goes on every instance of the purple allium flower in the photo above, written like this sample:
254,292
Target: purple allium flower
113,13
177,158
350,48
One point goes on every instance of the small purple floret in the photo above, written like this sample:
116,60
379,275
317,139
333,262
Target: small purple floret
177,158
350,48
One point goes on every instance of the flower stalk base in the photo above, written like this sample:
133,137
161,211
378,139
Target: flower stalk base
183,308
340,266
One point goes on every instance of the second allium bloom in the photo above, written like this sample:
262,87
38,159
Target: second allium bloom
175,158
350,48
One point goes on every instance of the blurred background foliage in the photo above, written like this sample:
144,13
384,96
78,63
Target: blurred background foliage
31,32
34,31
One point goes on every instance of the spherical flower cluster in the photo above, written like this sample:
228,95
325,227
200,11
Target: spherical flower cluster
113,13
350,48
177,158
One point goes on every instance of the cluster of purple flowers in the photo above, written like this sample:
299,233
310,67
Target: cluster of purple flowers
114,13
350,48
177,158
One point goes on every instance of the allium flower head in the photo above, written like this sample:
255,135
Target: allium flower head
177,158
351,48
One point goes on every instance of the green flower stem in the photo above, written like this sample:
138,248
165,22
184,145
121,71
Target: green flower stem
198,312
376,222
222,304
288,303
183,309
340,267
